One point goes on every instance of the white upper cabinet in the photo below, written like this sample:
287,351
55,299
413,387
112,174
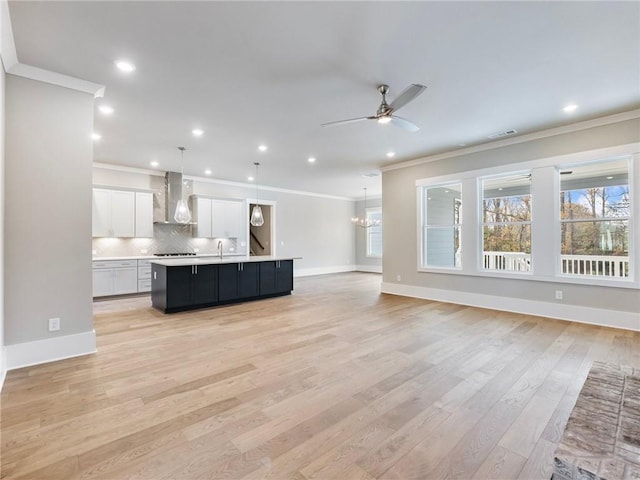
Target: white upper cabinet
219,218
144,214
122,214
119,213
101,217
202,215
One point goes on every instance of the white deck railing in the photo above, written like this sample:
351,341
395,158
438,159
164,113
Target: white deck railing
600,265
510,261
593,265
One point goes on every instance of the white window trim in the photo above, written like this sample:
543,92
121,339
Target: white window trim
481,225
545,268
422,254
367,211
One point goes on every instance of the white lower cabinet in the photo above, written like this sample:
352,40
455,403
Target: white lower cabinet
144,276
115,277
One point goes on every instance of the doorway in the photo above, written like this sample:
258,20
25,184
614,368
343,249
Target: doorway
261,238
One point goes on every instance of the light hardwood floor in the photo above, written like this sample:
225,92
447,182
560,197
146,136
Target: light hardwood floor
334,382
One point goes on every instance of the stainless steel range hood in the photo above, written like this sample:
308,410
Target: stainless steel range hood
174,190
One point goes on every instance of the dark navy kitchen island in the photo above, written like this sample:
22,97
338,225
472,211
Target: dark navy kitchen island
190,283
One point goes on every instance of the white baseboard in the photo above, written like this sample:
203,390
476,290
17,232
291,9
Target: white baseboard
574,313
307,272
369,268
49,350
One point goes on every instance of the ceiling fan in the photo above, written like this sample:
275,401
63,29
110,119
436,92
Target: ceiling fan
385,112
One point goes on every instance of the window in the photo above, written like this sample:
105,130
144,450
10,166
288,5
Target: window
506,223
374,233
595,208
442,226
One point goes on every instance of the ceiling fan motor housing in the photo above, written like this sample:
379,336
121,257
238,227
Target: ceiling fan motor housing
384,108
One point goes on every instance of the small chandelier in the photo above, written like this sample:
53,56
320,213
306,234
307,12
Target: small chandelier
182,214
257,220
365,222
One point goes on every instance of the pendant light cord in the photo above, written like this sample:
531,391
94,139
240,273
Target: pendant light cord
257,164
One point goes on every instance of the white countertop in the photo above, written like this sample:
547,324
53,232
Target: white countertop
186,261
155,257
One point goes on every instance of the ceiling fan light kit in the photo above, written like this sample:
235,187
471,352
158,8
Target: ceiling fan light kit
385,112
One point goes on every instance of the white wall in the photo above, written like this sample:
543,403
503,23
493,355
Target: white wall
594,304
364,263
48,165
3,361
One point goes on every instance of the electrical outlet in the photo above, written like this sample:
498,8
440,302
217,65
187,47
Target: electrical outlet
94,252
282,244
54,324
398,278
143,250
558,294
196,250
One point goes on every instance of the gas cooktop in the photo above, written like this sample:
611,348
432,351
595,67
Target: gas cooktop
173,254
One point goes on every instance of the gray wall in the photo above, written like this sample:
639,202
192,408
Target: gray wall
48,210
3,363
400,220
316,228
369,263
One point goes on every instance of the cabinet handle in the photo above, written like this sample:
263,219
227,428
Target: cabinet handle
196,269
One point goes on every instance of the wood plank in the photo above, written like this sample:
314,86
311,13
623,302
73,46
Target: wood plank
334,381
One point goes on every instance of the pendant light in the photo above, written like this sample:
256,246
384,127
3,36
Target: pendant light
365,222
182,214
257,220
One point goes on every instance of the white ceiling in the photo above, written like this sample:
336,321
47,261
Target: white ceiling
272,72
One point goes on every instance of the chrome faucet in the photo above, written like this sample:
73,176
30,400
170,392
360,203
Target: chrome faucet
220,248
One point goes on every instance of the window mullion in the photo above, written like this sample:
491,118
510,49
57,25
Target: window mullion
544,220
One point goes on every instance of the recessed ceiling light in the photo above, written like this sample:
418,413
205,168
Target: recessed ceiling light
197,132
125,66
250,179
311,159
391,154
500,188
105,109
96,136
262,148
462,144
609,178
208,172
570,108
154,163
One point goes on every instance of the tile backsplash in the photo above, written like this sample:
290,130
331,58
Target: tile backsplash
167,238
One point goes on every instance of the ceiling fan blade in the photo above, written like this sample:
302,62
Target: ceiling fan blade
404,124
342,122
409,93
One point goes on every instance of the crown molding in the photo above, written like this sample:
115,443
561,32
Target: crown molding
574,127
267,188
53,78
13,66
121,168
7,44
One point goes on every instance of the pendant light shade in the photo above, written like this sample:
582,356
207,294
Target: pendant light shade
182,215
257,220
365,222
